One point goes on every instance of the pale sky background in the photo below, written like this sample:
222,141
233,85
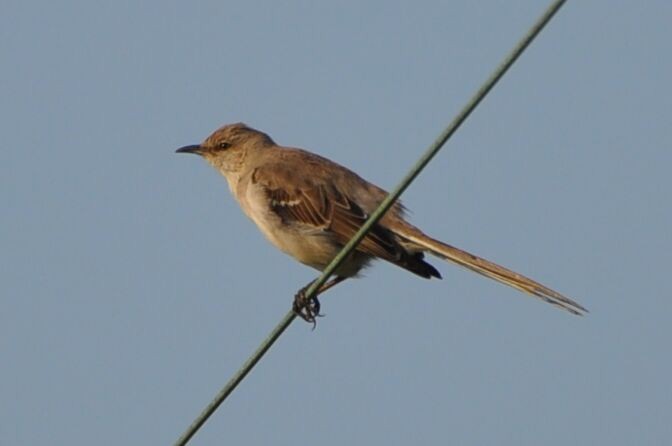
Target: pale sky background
132,287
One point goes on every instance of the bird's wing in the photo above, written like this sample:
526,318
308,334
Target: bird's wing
319,205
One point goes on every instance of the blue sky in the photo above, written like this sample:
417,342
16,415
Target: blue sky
132,286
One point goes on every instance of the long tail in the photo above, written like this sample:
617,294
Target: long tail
494,271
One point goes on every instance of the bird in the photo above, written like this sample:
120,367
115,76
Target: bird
309,207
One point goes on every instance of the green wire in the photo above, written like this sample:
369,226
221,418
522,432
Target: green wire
373,219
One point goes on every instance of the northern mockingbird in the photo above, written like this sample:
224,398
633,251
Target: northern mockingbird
309,207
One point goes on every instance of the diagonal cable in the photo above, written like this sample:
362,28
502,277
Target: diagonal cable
374,217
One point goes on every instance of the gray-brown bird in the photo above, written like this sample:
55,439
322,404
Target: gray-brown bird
309,207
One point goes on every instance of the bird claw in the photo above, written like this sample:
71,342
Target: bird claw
307,309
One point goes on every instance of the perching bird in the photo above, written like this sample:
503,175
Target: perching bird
309,207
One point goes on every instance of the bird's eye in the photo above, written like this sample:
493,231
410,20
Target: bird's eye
223,145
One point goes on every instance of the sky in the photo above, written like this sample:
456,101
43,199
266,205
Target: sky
132,287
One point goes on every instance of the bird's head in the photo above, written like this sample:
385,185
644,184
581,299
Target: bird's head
227,148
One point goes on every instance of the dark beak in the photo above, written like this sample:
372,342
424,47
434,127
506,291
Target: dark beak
195,149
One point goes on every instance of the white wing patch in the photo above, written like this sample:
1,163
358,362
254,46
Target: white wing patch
285,203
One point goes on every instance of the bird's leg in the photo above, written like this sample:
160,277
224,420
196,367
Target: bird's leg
306,309
333,282
309,309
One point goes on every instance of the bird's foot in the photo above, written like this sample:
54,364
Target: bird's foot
307,309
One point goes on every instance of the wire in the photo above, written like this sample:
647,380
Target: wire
373,219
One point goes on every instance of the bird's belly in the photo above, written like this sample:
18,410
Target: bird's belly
312,248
